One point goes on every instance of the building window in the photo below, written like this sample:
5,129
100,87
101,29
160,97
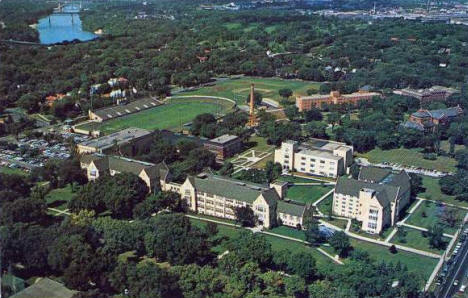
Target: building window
372,226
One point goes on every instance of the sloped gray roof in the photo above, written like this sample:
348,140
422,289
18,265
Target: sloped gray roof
413,125
385,193
373,174
230,188
291,208
45,288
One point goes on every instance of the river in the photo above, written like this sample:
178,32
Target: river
58,28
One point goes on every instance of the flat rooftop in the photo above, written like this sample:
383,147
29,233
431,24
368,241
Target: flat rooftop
318,153
119,137
224,139
320,144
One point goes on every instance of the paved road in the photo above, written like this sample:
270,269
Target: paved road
457,272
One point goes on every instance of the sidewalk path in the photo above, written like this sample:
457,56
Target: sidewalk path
443,203
391,235
312,184
266,233
59,212
304,242
411,210
382,243
421,229
315,204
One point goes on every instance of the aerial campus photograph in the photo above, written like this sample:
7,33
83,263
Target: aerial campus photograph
233,148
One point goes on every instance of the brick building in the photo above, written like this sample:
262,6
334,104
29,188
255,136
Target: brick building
435,93
305,103
224,146
429,120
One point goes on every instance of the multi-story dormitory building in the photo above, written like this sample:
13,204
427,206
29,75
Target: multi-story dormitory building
315,157
376,198
219,196
206,193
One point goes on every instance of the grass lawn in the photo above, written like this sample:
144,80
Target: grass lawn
261,164
415,263
325,206
58,198
238,89
433,192
226,220
7,170
276,243
287,231
169,116
337,222
307,193
415,239
295,179
260,144
434,213
410,157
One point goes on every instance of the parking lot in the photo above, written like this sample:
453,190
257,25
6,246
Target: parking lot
453,278
28,153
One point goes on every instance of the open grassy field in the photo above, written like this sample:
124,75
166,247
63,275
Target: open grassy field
307,193
276,243
433,192
169,116
415,239
337,222
325,206
295,179
434,215
290,232
58,198
416,263
238,89
410,157
7,170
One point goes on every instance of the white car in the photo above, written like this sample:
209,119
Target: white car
462,289
455,283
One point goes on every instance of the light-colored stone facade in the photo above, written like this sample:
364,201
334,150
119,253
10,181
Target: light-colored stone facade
331,159
376,203
220,196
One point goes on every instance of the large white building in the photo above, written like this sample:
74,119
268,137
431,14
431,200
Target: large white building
376,198
315,157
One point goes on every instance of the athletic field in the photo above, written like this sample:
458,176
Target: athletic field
172,115
238,89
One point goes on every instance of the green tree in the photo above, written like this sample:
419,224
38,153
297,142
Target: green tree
303,264
313,234
313,114
172,238
340,242
272,171
435,235
258,97
145,280
285,92
245,216
291,112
